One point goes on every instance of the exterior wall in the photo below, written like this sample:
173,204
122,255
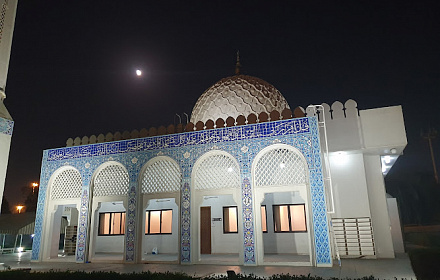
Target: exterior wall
221,242
396,230
349,185
283,243
378,206
5,144
8,8
383,127
109,244
165,243
242,142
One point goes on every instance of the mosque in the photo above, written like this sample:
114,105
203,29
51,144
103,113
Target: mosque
248,181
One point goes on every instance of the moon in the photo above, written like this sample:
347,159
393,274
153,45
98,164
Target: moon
138,73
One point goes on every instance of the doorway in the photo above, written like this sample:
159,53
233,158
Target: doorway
205,230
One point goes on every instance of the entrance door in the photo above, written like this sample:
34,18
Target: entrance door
205,230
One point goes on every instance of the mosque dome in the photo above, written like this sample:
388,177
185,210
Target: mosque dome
237,95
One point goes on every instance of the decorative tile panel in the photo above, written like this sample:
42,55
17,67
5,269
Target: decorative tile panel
6,126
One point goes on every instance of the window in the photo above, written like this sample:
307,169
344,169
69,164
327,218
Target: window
289,218
158,221
112,223
230,222
263,218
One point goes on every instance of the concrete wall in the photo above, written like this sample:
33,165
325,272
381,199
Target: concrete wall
349,185
221,242
378,207
109,244
165,243
383,127
396,230
5,144
283,242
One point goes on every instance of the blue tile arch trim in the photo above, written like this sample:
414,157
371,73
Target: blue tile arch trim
243,142
6,126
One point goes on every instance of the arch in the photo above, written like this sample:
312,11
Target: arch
216,193
281,180
63,197
108,202
159,194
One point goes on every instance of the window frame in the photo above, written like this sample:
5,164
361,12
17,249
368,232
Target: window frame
161,222
289,218
265,215
224,220
121,226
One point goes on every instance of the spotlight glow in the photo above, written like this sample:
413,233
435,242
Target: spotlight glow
138,73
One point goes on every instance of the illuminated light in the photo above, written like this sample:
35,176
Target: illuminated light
32,235
230,169
19,208
20,249
34,185
282,165
138,73
393,151
387,159
341,157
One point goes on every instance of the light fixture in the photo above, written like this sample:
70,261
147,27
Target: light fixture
19,208
282,165
387,159
20,249
230,169
393,151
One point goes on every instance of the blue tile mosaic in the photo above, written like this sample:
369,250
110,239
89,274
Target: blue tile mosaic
242,142
6,126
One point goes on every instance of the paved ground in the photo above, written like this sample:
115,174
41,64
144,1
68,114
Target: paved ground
400,267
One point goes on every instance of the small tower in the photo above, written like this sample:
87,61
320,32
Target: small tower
7,20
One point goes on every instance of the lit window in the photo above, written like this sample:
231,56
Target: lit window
112,223
230,222
158,221
263,218
289,218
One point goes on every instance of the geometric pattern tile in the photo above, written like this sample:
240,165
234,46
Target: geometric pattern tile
111,181
161,176
6,126
67,185
280,167
217,171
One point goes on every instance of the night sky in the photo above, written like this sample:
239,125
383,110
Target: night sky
72,67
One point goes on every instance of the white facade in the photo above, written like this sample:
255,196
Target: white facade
7,20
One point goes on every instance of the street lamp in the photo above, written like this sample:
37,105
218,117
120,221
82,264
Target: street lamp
19,208
34,185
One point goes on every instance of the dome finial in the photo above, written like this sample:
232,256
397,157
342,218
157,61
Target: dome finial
237,65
